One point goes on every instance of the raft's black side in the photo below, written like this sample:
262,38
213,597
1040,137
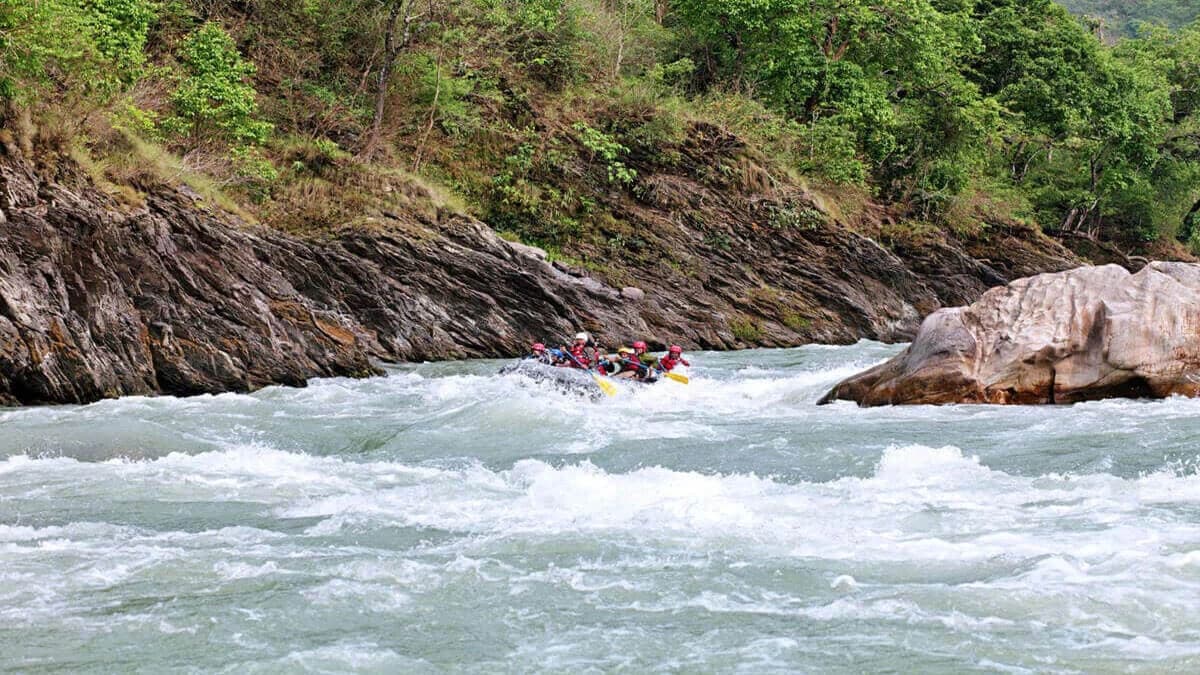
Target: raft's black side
569,380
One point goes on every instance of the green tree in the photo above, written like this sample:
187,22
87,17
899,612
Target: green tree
1125,17
118,29
883,75
400,16
1172,192
216,93
1082,127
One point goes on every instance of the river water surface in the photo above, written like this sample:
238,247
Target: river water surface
444,518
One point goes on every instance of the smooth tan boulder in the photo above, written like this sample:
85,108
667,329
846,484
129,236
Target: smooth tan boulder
1084,334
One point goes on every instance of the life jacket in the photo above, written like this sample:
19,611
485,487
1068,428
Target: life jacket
667,363
578,351
619,361
642,368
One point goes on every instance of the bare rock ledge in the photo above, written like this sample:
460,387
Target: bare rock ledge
1083,334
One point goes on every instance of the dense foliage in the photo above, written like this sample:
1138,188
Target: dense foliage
1127,16
77,49
535,112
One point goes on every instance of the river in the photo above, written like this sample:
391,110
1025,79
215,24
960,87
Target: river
445,518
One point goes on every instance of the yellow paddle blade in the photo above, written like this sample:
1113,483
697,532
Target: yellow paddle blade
678,378
607,387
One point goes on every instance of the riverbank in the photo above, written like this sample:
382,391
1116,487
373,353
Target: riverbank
100,299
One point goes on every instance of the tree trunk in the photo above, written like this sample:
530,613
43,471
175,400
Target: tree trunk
437,92
1069,221
660,11
391,49
622,30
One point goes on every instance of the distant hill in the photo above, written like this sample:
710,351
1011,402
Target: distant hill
1124,15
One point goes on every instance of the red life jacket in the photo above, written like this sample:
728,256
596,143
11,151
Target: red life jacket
642,368
625,363
578,352
669,363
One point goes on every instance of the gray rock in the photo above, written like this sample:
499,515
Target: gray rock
1088,333
633,293
595,287
527,250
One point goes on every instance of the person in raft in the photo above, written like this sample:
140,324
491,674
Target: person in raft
617,365
673,357
624,365
640,355
581,353
537,353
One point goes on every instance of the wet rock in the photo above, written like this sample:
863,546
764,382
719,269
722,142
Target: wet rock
1084,334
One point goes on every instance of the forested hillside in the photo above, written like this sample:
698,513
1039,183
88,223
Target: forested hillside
1124,16
541,116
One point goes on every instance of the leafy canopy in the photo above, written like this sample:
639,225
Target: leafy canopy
91,48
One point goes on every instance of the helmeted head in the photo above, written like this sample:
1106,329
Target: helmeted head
675,350
538,348
583,337
639,347
625,351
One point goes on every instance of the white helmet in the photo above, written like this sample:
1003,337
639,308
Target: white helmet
583,336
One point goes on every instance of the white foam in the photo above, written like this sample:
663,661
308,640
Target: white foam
993,513
78,530
360,656
240,570
383,598
844,582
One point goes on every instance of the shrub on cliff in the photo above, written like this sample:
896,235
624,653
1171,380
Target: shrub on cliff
85,51
216,95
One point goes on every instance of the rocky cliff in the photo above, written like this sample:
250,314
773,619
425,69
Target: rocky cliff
100,300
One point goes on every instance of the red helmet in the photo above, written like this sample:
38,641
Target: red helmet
639,345
539,347
675,349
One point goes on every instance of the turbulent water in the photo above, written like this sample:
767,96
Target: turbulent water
445,518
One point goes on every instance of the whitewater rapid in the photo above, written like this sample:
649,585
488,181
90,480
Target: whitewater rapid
445,518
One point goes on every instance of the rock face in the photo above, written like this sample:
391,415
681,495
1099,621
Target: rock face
1085,334
98,300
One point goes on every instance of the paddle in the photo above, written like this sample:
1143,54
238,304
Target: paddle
677,377
607,387
674,376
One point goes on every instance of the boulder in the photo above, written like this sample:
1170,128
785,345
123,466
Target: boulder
1084,334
